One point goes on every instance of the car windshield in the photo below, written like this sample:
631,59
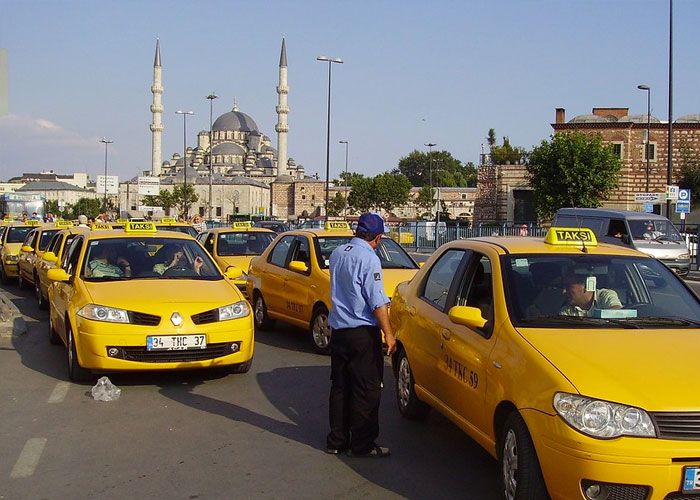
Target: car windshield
17,234
654,230
243,243
179,229
45,238
112,259
391,255
594,291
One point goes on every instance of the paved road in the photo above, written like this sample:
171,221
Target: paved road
208,435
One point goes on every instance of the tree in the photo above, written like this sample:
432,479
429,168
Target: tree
420,171
390,191
426,199
573,169
361,198
336,205
689,172
180,192
90,207
501,155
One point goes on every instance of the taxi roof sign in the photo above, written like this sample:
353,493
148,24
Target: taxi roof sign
63,223
138,226
335,225
242,224
168,220
570,236
122,221
100,226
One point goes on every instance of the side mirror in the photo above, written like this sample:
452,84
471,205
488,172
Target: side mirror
467,316
49,257
233,272
58,274
27,248
298,266
421,264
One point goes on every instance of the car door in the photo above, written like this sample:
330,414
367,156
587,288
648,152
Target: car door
466,351
428,317
26,258
272,275
63,291
298,285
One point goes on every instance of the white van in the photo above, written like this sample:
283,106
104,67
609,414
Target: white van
649,233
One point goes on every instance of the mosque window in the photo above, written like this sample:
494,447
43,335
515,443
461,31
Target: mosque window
303,196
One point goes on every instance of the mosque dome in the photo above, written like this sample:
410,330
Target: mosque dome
228,148
236,121
592,119
639,119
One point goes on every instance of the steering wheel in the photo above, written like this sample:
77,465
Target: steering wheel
177,271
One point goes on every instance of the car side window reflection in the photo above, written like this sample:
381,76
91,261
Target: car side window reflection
74,253
278,256
301,252
437,284
476,289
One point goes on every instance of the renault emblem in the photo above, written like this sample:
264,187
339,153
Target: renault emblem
176,319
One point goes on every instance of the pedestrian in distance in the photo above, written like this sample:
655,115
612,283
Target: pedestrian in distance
359,308
82,220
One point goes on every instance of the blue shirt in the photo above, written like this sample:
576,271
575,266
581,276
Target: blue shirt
357,288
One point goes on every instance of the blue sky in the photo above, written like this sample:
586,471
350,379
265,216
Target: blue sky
414,72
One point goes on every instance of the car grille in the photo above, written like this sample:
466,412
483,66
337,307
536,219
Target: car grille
679,426
206,317
141,354
137,318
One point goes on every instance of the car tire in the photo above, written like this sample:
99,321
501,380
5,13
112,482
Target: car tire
75,372
409,405
521,476
53,335
262,320
41,301
241,367
320,331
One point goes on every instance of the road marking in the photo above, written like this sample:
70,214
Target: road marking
29,458
59,392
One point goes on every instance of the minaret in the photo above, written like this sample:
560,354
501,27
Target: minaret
282,128
157,110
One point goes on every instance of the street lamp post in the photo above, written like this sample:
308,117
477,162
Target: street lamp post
211,98
430,163
345,208
105,142
330,62
184,157
647,89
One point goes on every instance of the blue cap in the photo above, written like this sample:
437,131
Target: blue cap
371,223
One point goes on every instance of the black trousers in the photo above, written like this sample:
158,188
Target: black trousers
357,366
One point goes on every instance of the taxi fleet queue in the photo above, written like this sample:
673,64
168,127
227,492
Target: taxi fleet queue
572,362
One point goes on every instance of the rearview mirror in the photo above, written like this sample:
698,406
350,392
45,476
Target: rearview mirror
49,257
58,274
233,272
467,316
298,266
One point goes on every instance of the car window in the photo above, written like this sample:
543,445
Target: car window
301,251
54,243
393,256
71,261
325,247
278,256
439,280
30,239
45,238
66,244
209,243
178,229
243,243
476,289
17,234
656,229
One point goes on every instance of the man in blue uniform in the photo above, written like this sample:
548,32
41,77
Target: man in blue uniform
359,308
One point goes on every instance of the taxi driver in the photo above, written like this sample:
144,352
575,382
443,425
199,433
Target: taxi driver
582,302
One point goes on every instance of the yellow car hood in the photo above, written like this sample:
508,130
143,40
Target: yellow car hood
393,277
241,261
148,294
11,248
651,369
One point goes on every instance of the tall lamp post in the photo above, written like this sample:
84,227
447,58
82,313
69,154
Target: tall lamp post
105,142
330,62
184,156
211,98
430,163
345,208
647,89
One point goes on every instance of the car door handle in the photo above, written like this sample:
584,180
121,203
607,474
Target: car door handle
446,334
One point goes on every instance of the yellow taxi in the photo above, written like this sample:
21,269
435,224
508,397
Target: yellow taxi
290,281
236,246
569,361
140,299
171,224
33,249
12,241
51,258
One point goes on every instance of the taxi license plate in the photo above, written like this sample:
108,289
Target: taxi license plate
175,342
691,479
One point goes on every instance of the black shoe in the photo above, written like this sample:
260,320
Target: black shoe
376,452
334,451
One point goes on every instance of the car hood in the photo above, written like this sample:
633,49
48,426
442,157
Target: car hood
12,248
662,249
651,369
241,261
149,294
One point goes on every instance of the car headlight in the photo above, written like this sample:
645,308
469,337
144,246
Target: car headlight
602,419
233,311
683,256
12,258
104,313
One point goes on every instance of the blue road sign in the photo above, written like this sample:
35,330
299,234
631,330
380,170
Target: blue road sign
684,195
649,207
683,207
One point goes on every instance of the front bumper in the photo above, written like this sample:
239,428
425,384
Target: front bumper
567,458
94,340
11,269
680,267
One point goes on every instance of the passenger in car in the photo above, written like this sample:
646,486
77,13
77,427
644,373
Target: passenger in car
582,302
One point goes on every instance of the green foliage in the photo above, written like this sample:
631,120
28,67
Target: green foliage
505,154
336,205
689,171
361,198
574,169
443,170
90,207
385,191
426,198
491,138
182,198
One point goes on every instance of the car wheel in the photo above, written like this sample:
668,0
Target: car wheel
76,372
320,331
521,476
241,367
409,405
39,296
53,335
262,320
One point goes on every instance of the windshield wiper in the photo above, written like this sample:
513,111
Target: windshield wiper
667,320
107,278
587,320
